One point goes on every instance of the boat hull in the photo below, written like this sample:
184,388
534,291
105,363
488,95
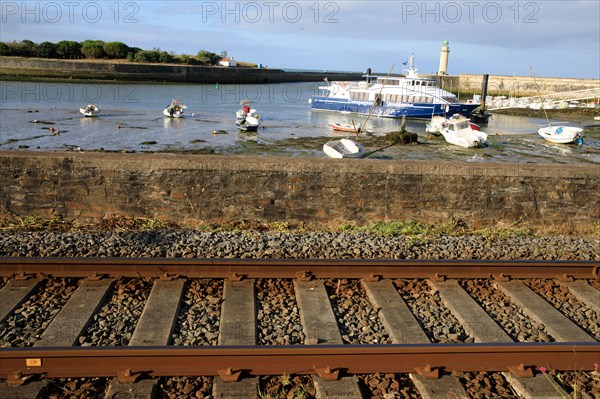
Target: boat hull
344,129
561,134
176,114
390,110
90,110
475,140
249,124
247,127
344,148
88,113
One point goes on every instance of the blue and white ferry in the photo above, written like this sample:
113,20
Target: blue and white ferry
409,96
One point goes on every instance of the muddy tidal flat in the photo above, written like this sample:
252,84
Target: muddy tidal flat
41,116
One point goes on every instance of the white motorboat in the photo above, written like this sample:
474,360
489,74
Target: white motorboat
343,148
247,119
562,134
90,110
175,109
437,122
458,131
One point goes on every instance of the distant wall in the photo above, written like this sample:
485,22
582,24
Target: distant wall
313,192
448,82
520,86
19,67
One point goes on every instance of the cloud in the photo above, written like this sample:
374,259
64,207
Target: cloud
487,35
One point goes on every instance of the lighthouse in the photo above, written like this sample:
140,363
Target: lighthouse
443,70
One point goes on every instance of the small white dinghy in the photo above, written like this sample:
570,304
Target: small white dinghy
458,131
90,110
562,134
343,148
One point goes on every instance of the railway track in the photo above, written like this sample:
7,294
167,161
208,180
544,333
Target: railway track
290,328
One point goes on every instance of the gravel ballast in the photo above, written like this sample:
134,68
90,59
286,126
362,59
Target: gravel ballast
305,245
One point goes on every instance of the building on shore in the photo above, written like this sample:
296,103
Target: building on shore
227,62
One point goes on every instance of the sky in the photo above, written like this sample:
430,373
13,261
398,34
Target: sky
554,38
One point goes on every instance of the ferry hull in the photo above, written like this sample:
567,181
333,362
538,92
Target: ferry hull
408,110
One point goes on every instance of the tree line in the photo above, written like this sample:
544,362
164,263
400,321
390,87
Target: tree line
98,49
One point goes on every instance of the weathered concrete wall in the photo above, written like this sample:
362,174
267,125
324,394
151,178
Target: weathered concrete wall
520,86
449,83
517,86
18,67
313,192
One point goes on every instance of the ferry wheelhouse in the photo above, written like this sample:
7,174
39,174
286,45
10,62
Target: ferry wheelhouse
409,96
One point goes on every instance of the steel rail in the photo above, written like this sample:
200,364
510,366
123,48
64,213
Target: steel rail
278,360
294,268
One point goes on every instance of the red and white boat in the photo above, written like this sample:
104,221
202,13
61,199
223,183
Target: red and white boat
338,127
437,123
459,131
247,119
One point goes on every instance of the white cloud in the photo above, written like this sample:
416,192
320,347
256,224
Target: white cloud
485,36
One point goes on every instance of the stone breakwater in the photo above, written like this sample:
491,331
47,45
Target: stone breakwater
519,86
307,245
67,70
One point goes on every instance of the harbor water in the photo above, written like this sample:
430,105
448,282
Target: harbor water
131,120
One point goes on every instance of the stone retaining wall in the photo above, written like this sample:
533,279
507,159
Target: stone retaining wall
24,68
309,192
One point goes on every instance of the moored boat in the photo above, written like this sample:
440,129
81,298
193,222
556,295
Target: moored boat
437,123
392,97
338,127
343,148
458,131
90,110
562,134
175,109
247,119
